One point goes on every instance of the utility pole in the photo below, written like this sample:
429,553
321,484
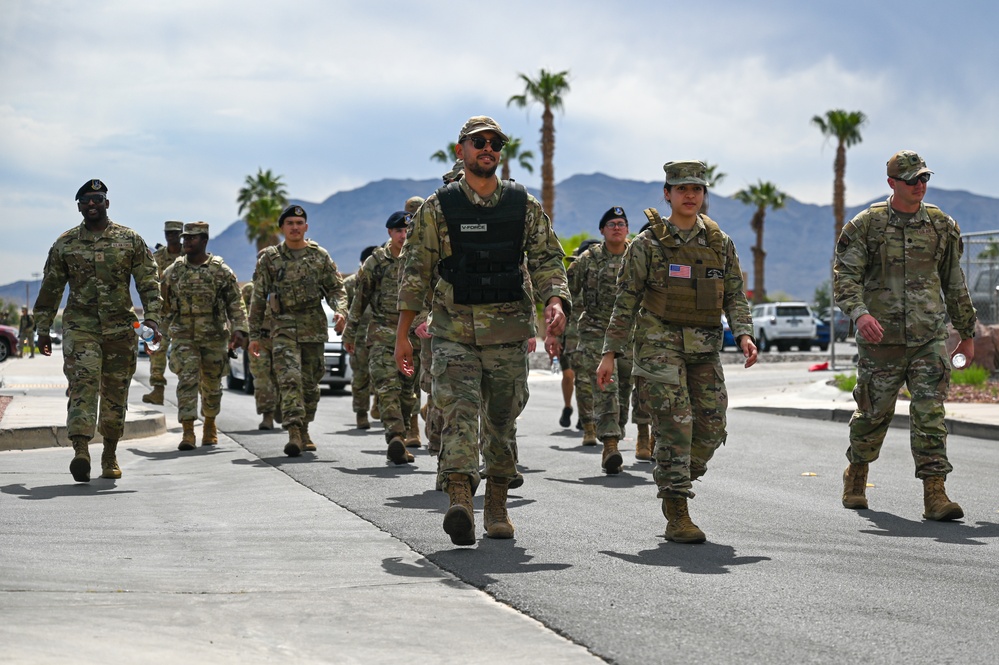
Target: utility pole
27,290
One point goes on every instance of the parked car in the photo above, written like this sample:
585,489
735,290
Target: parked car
338,374
8,342
985,294
821,338
843,323
728,340
783,325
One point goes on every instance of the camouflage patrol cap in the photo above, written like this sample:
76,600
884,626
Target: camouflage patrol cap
413,203
292,211
456,173
906,165
478,124
173,226
398,220
90,187
686,173
195,228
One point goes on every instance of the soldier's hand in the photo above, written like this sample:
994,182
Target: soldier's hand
532,344
869,328
157,335
45,345
339,323
422,332
254,348
237,339
553,347
554,317
349,347
404,356
605,371
749,350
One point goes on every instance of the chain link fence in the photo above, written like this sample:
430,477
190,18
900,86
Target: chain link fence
981,269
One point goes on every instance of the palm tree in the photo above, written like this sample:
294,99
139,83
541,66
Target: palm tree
512,152
262,198
445,156
844,126
547,90
713,176
762,195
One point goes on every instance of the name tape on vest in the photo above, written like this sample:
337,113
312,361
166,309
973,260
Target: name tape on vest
473,228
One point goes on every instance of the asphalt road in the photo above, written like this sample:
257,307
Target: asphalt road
787,574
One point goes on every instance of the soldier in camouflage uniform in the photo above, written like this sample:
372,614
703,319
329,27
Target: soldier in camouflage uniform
25,333
360,383
898,276
163,256
481,232
202,304
265,394
378,287
678,278
592,284
292,279
97,259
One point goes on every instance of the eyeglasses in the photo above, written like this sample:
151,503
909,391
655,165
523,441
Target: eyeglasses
89,199
923,178
616,225
479,143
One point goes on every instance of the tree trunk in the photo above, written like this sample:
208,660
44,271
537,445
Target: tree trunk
839,190
547,163
759,258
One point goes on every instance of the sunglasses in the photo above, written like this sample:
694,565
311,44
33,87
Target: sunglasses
479,143
88,199
924,178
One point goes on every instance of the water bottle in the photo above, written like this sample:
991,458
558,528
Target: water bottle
556,366
146,334
959,360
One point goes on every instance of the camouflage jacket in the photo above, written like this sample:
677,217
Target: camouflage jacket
97,267
592,285
200,301
26,325
643,261
164,258
377,289
494,323
360,324
906,275
293,287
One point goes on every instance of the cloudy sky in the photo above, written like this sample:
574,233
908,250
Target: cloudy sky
173,103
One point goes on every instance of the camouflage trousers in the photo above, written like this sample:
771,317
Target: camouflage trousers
360,384
98,367
395,390
158,362
298,369
199,368
687,402
25,340
605,407
469,381
628,388
435,419
881,372
264,387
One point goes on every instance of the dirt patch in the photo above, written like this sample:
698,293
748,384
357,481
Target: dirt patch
987,394
4,401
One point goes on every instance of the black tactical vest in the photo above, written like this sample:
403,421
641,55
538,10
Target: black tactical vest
487,245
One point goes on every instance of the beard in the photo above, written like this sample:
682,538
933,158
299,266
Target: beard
481,171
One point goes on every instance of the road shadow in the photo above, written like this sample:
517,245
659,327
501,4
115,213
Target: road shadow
498,557
388,470
704,559
626,480
433,501
200,451
588,450
284,460
954,533
567,434
421,568
96,487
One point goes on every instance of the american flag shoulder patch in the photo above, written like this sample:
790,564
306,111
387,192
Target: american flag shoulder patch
677,270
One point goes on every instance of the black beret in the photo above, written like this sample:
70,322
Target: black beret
398,220
617,212
292,211
367,251
91,186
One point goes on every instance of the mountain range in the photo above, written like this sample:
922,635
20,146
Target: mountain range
798,239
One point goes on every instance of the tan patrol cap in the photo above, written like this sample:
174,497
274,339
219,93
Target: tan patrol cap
173,226
196,228
413,204
478,124
686,173
906,165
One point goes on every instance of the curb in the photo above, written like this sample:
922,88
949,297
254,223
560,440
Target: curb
140,423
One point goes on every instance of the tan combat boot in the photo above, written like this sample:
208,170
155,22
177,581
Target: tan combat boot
294,446
423,411
375,411
643,446
307,443
209,433
937,506
397,452
187,440
679,527
611,459
497,521
109,461
362,420
855,486
155,396
413,433
80,466
459,521
266,420
589,434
